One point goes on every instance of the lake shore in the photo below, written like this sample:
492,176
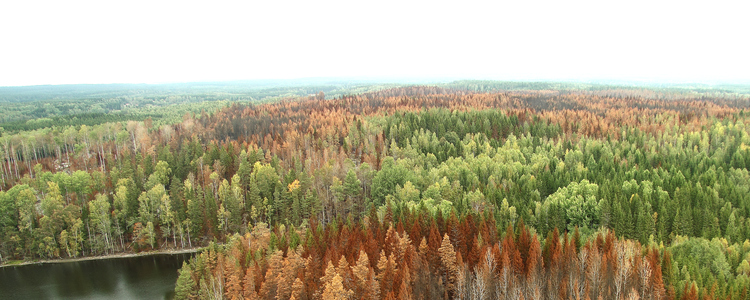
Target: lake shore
102,257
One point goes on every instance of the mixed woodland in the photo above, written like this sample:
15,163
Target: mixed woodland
468,190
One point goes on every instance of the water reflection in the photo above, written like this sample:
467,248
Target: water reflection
146,277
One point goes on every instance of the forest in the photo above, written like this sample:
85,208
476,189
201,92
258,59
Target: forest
465,190
28,108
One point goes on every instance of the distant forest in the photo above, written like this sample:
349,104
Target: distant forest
461,190
35,107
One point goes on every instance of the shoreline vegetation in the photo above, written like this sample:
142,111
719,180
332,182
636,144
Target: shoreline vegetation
16,263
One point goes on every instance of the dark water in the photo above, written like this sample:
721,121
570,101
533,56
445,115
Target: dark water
144,277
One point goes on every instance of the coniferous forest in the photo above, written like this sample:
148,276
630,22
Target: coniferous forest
467,190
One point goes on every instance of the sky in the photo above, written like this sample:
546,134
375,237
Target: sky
69,42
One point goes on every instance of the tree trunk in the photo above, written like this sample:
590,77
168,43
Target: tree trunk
15,163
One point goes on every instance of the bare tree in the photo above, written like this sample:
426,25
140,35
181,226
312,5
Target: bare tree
594,272
624,255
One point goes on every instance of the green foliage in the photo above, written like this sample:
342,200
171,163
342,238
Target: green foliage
709,258
391,175
575,204
100,221
149,203
185,287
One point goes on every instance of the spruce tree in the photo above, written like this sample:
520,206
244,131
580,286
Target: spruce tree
185,287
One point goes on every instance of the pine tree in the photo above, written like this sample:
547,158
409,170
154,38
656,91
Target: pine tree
253,193
249,291
712,229
346,274
448,259
621,219
334,290
352,190
361,269
645,224
405,289
733,229
185,287
297,289
386,272
690,292
234,276
683,222
330,272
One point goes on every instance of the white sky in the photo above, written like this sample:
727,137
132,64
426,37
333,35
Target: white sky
61,42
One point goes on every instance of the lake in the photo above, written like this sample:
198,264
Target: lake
139,277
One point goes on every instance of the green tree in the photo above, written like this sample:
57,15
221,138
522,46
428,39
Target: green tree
120,211
52,207
506,214
161,175
72,238
211,219
266,179
25,201
645,226
733,231
578,203
99,218
245,170
253,195
185,287
391,175
683,222
712,230
353,190
234,199
168,219
150,202
80,183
